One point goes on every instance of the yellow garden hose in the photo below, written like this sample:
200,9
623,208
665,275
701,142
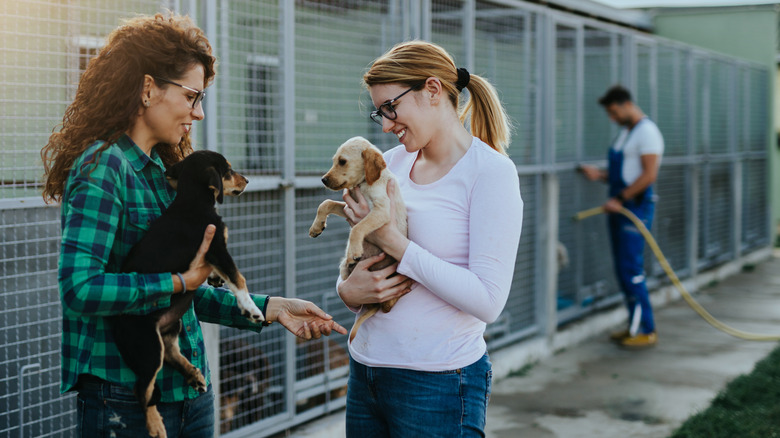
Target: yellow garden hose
676,281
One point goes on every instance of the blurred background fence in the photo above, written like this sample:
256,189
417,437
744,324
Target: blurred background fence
288,93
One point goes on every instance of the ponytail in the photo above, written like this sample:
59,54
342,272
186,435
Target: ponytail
413,62
489,121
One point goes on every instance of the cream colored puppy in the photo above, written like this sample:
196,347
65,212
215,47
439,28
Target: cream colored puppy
358,163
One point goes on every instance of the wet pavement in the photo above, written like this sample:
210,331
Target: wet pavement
595,389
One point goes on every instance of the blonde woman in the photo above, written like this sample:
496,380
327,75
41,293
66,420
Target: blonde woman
422,370
130,119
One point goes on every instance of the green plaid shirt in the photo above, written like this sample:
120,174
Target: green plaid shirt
107,207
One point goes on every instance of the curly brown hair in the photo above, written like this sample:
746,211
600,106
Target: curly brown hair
107,100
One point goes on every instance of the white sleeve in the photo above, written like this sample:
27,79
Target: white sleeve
352,309
495,221
652,142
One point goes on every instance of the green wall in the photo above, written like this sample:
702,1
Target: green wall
745,32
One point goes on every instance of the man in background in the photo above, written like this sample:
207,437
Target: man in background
633,162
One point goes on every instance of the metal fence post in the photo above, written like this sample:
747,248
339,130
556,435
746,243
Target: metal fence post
287,40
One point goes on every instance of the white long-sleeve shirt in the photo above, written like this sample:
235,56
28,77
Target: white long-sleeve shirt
464,230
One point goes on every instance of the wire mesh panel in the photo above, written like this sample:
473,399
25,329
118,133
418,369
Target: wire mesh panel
321,366
593,264
600,72
566,92
701,104
30,326
249,81
568,299
673,105
335,43
448,27
252,370
644,95
671,223
715,215
758,104
720,109
252,367
45,45
505,55
754,204
519,316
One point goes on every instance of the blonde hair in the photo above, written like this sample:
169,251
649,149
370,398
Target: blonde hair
108,95
413,62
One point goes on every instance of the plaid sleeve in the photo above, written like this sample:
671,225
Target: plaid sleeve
219,306
92,209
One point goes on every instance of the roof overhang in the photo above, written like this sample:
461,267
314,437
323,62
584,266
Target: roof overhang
629,17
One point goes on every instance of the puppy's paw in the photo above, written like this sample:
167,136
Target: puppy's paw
154,423
316,229
197,381
354,253
216,281
249,308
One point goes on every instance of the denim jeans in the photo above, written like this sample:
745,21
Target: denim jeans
400,403
109,410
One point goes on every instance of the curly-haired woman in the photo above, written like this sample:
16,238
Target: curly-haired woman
131,118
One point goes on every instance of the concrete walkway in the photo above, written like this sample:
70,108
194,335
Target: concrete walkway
598,390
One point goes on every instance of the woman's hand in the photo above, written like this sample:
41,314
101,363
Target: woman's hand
357,208
368,287
387,236
302,318
199,270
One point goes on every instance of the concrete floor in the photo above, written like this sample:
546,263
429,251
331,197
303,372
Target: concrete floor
591,388
598,390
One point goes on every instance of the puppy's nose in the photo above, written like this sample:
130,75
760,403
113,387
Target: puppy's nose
246,180
325,180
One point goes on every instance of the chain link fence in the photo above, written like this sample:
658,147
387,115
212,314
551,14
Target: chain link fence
288,93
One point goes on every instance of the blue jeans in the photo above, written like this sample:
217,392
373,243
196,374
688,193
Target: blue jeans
400,403
109,410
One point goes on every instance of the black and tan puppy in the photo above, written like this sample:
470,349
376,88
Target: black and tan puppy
145,341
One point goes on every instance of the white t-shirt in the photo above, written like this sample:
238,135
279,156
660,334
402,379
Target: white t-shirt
643,139
464,231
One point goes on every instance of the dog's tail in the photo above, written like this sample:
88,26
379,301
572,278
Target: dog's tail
373,308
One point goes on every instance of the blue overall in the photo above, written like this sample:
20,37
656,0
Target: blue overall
628,248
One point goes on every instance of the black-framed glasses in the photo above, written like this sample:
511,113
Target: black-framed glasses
387,110
199,94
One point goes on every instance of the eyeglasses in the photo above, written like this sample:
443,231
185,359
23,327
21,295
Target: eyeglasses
199,94
387,110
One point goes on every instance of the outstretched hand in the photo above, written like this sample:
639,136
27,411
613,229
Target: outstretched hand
302,318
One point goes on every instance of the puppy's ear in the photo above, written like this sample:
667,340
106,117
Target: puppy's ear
173,173
374,163
215,183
